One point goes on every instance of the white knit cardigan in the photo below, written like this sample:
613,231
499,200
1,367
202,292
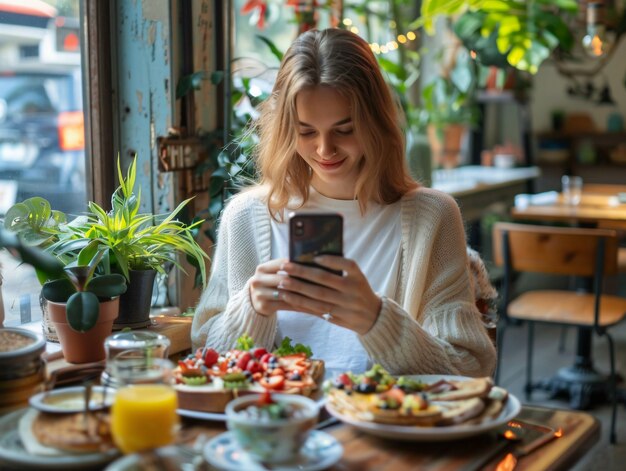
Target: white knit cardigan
430,326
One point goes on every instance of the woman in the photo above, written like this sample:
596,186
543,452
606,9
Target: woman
330,140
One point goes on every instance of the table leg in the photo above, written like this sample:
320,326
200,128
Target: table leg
581,382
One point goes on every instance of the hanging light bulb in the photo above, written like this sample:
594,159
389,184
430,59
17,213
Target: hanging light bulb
595,41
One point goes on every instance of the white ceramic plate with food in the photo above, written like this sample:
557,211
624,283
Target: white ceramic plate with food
511,409
70,400
13,452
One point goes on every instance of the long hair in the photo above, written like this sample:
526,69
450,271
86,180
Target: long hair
343,61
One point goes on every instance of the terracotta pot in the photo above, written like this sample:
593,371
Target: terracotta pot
84,347
445,144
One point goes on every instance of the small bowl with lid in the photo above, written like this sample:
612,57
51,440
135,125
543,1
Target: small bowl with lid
271,428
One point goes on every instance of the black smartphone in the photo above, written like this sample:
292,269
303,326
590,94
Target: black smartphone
312,234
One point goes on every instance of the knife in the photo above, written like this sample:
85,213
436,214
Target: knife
546,434
517,439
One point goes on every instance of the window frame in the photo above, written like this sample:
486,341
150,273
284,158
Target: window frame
98,105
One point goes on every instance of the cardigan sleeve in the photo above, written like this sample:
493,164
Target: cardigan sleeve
436,328
225,312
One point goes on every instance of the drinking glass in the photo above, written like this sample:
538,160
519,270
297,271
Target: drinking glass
144,342
572,189
143,415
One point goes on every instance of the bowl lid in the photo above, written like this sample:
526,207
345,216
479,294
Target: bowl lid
16,342
136,339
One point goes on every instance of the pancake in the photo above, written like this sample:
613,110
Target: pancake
44,433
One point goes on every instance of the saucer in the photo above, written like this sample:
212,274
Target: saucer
320,451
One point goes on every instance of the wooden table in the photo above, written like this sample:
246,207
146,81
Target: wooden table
476,187
599,207
364,452
594,209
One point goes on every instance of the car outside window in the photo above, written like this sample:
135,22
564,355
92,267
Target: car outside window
42,137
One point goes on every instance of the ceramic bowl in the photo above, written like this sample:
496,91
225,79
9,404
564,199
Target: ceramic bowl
272,441
20,352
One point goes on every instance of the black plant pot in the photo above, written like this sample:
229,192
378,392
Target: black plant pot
136,301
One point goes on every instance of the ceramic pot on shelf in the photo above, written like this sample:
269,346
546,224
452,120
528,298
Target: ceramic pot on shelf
84,347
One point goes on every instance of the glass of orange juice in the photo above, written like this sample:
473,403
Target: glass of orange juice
143,415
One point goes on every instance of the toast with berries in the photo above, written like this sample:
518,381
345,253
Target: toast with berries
207,380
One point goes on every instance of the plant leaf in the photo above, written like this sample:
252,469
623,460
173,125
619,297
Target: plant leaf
82,311
275,51
108,286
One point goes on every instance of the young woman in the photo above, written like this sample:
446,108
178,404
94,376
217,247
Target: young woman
330,140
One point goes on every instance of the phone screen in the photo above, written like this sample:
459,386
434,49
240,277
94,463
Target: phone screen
313,234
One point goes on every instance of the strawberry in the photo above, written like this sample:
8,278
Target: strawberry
344,380
243,360
265,399
210,357
254,366
266,358
259,353
274,382
277,372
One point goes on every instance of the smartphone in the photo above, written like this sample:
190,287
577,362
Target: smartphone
312,234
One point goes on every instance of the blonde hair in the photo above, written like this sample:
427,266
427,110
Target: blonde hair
344,61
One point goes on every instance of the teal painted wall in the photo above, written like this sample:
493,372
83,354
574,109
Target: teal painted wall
144,92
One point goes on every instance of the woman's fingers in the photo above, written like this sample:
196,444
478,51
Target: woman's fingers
348,298
264,293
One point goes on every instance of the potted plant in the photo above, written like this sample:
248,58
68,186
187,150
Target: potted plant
82,303
448,110
134,244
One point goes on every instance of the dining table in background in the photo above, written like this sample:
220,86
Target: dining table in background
477,187
600,206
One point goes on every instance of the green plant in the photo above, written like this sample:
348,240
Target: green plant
131,240
229,164
75,284
449,97
520,33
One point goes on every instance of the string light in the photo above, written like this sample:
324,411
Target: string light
388,46
394,43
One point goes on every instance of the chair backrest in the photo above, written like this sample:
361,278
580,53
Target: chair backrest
554,250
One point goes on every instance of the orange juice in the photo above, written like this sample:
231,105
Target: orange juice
144,417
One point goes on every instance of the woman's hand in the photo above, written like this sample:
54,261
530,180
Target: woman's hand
265,296
348,299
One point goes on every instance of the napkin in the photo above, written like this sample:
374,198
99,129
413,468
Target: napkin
547,197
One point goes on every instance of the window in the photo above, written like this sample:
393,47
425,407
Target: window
42,132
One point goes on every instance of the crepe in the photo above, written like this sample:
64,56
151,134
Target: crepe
48,434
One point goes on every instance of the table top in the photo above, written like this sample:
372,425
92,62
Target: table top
594,208
580,431
470,179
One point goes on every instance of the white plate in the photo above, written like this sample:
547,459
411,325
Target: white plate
169,457
70,400
217,416
196,414
320,451
12,451
432,434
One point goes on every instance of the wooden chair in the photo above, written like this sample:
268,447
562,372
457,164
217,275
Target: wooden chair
587,253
